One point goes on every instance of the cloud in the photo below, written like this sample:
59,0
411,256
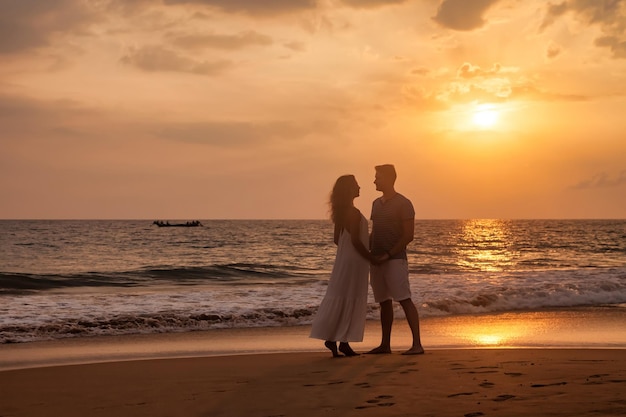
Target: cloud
29,24
605,11
602,180
463,15
617,46
422,100
494,84
422,71
553,12
253,7
468,70
229,42
26,112
153,58
371,3
553,50
295,46
610,15
470,83
237,134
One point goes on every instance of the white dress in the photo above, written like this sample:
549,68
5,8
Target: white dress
341,315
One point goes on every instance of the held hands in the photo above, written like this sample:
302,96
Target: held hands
380,259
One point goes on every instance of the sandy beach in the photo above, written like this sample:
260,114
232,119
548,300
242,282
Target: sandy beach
461,382
522,364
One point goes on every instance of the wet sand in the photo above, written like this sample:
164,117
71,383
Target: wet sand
581,328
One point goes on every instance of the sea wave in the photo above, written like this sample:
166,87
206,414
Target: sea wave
234,273
271,304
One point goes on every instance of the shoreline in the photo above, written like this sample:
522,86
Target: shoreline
583,328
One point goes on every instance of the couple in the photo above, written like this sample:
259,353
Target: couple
341,316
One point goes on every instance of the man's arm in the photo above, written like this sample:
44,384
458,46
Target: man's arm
408,231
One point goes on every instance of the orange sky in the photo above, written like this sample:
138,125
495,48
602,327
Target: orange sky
185,109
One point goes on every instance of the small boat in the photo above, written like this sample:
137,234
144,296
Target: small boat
194,223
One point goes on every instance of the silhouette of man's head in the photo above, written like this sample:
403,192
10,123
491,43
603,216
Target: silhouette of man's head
385,176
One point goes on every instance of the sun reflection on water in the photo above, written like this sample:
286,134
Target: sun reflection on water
489,339
503,330
492,335
485,245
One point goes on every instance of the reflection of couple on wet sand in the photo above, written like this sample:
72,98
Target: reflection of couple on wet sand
341,315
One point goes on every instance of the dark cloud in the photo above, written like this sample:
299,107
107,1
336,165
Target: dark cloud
463,15
615,44
230,42
155,58
604,11
602,180
553,12
371,3
253,7
609,15
29,24
607,12
553,50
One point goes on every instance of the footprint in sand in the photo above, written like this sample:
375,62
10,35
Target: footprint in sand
315,385
377,402
408,371
548,385
461,393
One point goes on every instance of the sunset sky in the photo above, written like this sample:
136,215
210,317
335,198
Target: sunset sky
250,109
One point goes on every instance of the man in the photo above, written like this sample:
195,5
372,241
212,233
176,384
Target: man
393,224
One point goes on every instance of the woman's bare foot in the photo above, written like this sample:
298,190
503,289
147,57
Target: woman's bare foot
345,348
415,350
332,346
380,350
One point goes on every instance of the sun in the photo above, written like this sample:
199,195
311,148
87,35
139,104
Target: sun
485,116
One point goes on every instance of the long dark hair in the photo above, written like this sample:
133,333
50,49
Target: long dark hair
341,200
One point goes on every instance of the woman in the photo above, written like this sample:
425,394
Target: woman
341,315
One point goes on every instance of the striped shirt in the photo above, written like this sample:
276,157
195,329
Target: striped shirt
387,221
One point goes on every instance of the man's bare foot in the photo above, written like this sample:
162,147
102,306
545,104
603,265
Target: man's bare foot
380,350
332,346
347,350
415,350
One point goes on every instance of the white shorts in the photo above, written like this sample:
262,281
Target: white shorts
390,280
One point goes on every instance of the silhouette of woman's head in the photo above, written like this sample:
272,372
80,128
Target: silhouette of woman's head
345,190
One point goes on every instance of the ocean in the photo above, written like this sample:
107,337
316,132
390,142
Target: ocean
62,278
